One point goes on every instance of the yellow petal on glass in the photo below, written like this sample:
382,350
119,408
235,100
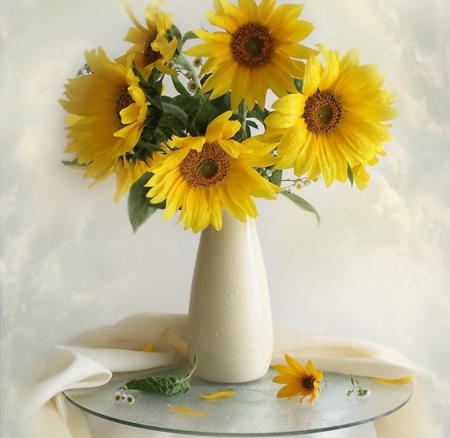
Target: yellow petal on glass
148,348
189,411
299,381
203,175
108,111
399,381
258,50
338,122
219,394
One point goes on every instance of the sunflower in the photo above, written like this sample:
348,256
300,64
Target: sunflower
337,123
108,110
202,175
258,50
128,171
151,46
299,381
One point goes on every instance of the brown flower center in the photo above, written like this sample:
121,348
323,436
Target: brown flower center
123,100
150,56
206,168
308,382
323,112
252,45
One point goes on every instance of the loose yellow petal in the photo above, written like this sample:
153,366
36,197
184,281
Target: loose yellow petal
184,410
148,348
218,394
399,381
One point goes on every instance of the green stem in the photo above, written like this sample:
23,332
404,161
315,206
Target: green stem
181,60
242,110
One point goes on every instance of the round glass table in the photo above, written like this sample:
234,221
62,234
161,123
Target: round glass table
254,410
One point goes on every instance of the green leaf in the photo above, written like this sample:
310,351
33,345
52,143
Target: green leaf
183,62
175,32
258,113
74,163
301,203
139,206
166,384
206,113
298,84
173,116
189,104
276,178
350,175
189,36
179,86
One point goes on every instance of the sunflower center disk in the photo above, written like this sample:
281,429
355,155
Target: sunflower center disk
206,168
123,100
323,112
149,55
308,383
252,45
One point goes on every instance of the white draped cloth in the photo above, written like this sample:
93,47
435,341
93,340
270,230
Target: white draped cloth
91,359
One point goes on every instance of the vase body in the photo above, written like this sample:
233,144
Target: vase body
230,321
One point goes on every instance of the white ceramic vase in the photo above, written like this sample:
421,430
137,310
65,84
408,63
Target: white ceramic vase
230,321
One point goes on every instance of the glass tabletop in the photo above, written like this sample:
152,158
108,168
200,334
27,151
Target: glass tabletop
254,410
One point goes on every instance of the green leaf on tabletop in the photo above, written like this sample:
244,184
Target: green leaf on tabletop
139,206
362,392
166,384
301,203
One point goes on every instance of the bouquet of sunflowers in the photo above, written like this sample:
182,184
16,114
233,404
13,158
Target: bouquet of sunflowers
194,137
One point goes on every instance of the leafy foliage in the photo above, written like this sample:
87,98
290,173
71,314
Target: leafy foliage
169,385
300,202
139,206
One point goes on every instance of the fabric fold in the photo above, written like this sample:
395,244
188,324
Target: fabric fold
90,360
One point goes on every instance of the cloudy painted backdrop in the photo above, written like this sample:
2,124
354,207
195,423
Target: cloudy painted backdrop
377,267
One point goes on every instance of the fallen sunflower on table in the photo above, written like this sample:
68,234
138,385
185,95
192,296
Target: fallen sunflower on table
299,381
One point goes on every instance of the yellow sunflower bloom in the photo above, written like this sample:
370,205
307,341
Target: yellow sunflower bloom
205,174
299,381
258,51
108,112
128,171
336,123
151,47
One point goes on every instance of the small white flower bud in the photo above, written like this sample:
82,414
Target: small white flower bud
192,86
